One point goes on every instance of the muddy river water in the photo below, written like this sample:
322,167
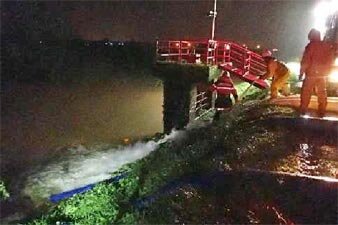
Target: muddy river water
44,124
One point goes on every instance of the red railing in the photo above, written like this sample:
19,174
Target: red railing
237,58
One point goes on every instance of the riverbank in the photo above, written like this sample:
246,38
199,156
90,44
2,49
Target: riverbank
41,123
248,138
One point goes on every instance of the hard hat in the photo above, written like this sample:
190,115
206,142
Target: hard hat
314,35
266,53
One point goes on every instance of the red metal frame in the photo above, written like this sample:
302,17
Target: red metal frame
228,55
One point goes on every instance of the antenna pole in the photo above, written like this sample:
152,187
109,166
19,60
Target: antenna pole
214,14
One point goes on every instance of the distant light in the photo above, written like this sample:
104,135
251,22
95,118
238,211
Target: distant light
258,46
177,44
333,76
189,44
306,116
294,67
227,47
299,84
275,49
40,42
244,45
212,13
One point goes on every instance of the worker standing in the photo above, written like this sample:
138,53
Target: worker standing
224,88
279,73
316,63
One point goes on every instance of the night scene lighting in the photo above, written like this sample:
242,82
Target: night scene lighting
169,112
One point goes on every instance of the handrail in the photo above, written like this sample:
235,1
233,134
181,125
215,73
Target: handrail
199,103
208,52
243,61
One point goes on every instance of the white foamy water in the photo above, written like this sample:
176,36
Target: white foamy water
86,167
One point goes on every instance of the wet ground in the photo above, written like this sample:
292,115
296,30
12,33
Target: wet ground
311,148
284,173
247,198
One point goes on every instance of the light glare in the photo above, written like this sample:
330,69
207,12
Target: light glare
321,12
333,77
336,62
294,67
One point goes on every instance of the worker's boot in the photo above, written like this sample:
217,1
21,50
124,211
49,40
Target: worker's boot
301,111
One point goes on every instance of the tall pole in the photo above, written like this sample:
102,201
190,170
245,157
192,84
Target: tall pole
214,14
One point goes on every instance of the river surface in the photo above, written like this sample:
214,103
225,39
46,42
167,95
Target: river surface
87,124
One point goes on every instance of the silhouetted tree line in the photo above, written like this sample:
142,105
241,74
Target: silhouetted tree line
37,43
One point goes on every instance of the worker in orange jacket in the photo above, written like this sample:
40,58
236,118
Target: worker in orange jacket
316,64
224,88
279,72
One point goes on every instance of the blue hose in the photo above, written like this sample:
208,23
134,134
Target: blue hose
67,194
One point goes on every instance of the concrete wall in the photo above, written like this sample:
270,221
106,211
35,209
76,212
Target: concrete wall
181,83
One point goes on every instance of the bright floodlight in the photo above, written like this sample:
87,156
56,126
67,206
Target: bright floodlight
322,11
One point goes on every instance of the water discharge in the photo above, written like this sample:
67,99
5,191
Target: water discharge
86,166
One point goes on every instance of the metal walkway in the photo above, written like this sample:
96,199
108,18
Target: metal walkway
227,55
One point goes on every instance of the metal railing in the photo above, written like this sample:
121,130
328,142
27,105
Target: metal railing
239,59
199,106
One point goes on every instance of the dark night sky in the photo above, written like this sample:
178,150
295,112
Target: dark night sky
273,24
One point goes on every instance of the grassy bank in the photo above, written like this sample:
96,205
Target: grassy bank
3,191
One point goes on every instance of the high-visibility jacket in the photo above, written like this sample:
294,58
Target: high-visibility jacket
317,59
276,69
224,86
